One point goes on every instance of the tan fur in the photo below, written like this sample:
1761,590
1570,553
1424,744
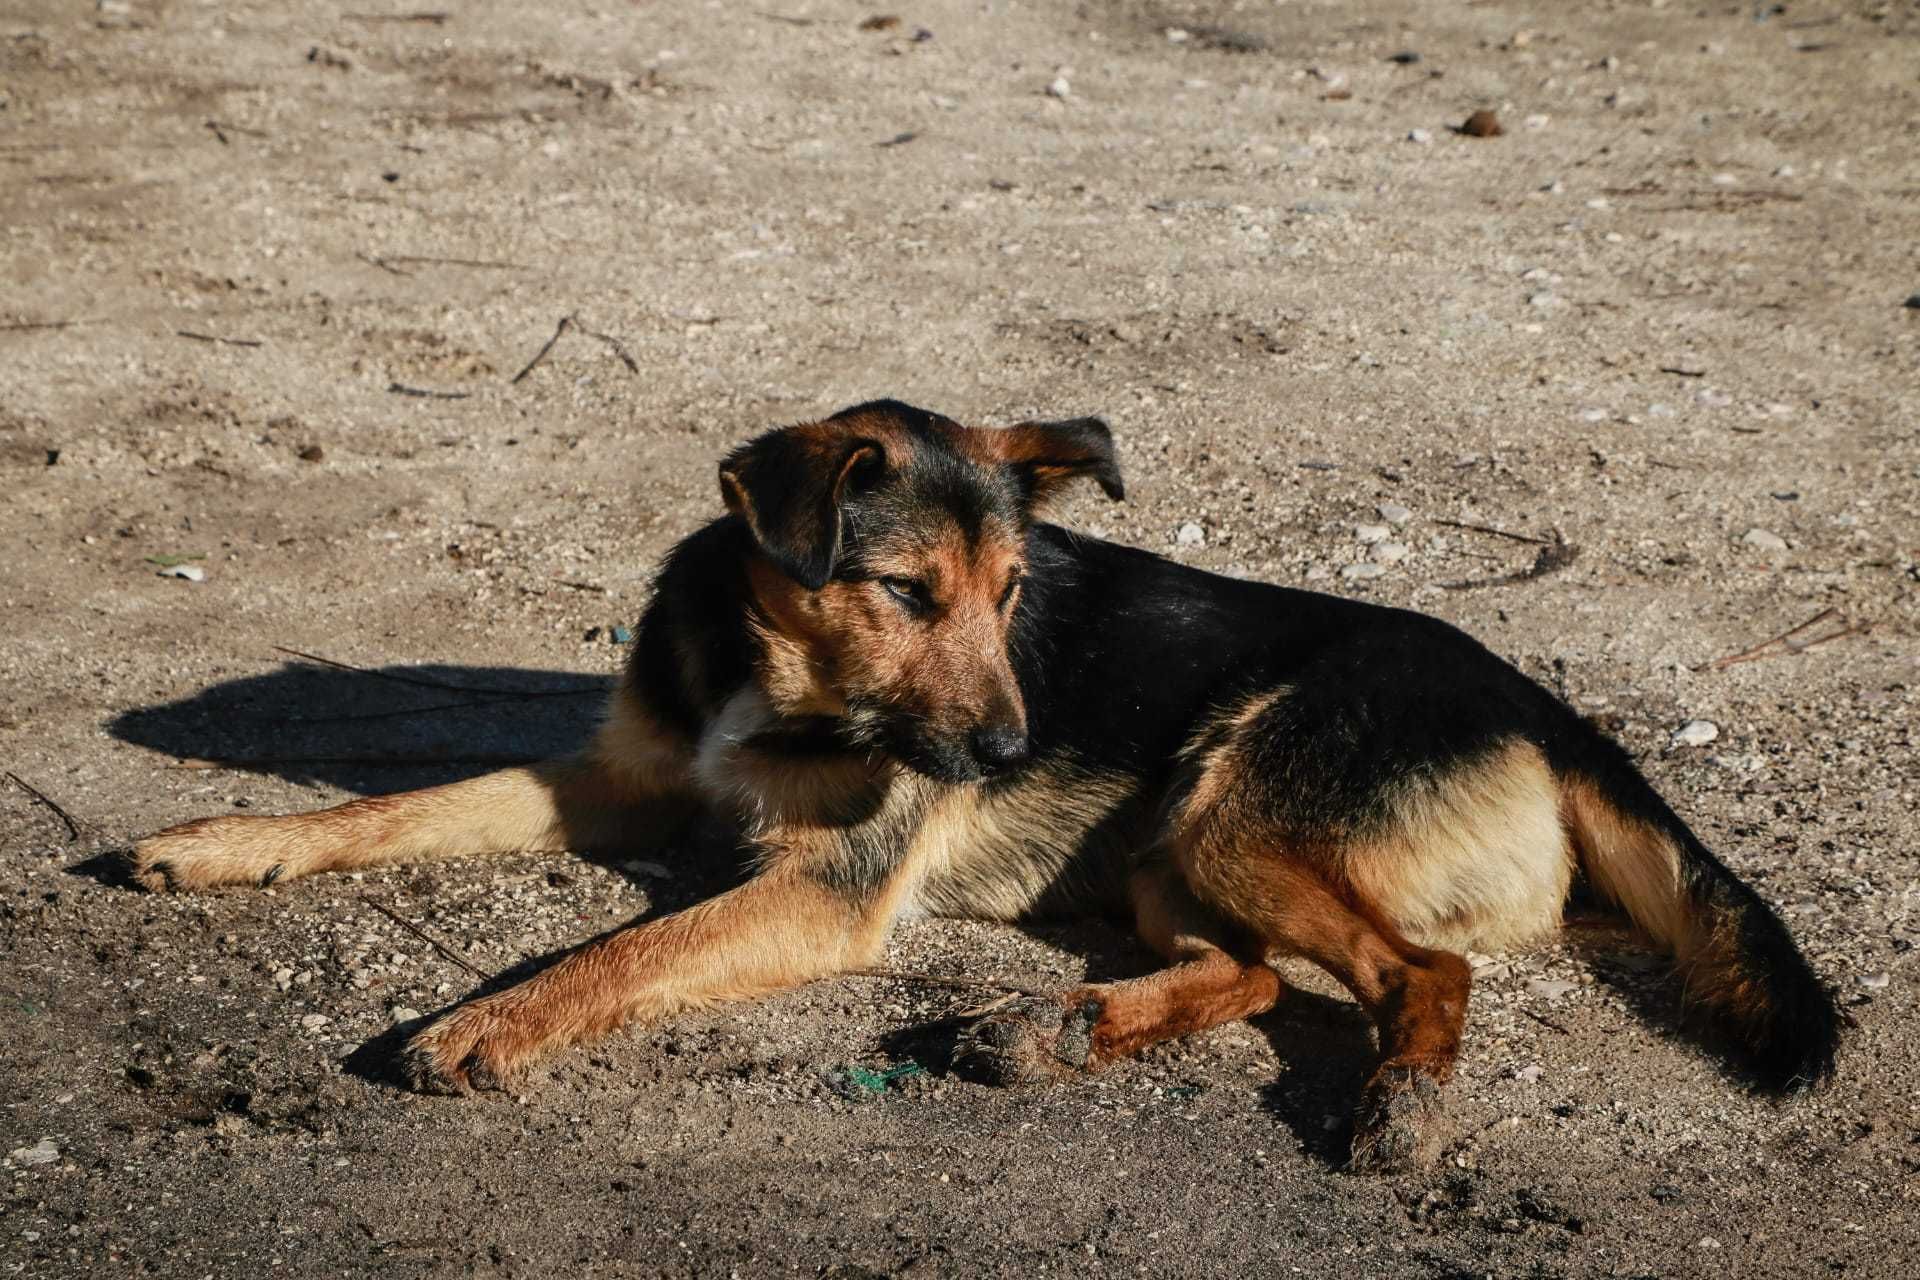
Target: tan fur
1477,858
1628,861
774,932
1635,864
992,856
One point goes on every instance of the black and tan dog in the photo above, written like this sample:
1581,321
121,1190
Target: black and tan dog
917,698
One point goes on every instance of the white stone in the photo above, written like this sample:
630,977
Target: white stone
41,1152
315,1021
1191,535
1421,136
1394,513
191,572
1364,569
1059,88
1765,539
1390,552
1551,988
1696,733
1371,532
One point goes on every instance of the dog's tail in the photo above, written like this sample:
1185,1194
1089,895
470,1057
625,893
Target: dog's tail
1735,957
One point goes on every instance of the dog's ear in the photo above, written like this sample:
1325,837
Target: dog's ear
789,485
1045,455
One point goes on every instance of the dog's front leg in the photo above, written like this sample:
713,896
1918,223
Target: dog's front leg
789,925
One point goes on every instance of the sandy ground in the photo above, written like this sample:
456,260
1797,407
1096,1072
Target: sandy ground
268,273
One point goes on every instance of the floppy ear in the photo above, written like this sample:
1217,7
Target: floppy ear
1045,455
788,486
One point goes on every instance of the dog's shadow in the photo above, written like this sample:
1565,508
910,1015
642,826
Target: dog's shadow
373,730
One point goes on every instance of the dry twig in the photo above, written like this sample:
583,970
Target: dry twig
391,760
1790,642
426,937
1498,533
541,354
225,342
428,682
73,827
946,980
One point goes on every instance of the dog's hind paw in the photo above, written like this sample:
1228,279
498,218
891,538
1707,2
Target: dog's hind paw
1030,1041
1401,1123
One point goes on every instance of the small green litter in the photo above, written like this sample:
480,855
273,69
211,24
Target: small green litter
859,1084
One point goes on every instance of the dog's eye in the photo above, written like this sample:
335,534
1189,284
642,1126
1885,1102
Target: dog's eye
910,592
1013,585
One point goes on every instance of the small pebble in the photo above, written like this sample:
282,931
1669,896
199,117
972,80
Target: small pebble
1420,136
1696,733
1482,124
1875,981
1530,1073
1406,57
1371,532
1390,552
1059,88
1538,121
312,453
1541,298
191,572
1364,569
402,1014
1593,415
1191,535
1551,988
1913,302
283,979
621,635
1765,539
315,1021
1394,513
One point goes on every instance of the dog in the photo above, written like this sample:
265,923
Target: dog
915,696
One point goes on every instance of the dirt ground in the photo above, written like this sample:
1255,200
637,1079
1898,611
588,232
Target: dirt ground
271,282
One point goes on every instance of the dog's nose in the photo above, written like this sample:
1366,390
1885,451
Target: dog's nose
997,749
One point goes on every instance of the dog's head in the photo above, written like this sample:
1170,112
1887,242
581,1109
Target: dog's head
892,542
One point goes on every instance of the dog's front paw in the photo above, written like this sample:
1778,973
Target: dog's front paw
207,853
474,1047
1030,1040
1401,1122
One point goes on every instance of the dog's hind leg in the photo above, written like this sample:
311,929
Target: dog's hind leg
634,776
1212,979
1417,997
